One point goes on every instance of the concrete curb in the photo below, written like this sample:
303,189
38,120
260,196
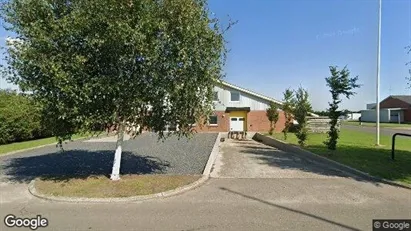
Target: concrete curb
323,160
213,156
173,192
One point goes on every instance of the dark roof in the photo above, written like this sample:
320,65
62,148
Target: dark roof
404,98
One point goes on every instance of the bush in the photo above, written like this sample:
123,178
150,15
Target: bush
20,118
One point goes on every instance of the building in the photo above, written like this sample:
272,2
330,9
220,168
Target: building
371,106
352,116
393,109
239,109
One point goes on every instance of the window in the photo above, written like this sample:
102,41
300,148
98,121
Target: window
235,96
233,119
215,96
212,120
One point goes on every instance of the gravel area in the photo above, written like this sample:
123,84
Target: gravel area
143,155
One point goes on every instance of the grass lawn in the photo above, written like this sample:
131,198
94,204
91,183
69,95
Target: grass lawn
383,125
6,148
356,149
103,187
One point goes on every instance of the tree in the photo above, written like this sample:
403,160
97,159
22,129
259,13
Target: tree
288,106
273,116
340,84
301,112
143,62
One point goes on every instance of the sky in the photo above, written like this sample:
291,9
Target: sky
280,44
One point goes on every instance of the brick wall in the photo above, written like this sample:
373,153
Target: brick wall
395,103
257,121
222,120
407,116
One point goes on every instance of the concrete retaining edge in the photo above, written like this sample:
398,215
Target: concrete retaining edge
323,160
173,192
213,156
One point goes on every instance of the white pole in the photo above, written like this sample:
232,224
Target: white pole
378,74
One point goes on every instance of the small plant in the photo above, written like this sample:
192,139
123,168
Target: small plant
273,116
339,83
287,107
301,110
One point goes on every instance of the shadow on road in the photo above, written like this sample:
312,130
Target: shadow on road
291,210
77,164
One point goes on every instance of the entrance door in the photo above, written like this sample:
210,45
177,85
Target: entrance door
237,124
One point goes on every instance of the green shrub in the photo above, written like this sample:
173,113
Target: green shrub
20,118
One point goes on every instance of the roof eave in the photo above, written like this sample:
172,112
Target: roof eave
251,92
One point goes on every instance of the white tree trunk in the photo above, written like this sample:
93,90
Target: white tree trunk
115,174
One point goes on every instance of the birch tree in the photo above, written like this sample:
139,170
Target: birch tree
273,116
301,112
145,62
288,107
340,84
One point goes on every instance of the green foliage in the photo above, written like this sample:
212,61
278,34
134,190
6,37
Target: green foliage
339,83
20,118
150,63
273,116
321,113
288,107
301,112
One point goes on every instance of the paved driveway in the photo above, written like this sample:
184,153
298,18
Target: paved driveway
250,159
267,190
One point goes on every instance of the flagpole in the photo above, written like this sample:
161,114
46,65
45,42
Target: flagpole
378,75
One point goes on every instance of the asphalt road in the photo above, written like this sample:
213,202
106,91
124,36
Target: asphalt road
255,187
383,131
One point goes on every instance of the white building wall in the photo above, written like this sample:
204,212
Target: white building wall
370,115
353,116
246,100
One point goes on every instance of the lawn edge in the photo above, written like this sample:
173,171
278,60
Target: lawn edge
33,191
270,141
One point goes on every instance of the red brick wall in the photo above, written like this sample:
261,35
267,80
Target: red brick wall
407,116
393,103
222,120
257,121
